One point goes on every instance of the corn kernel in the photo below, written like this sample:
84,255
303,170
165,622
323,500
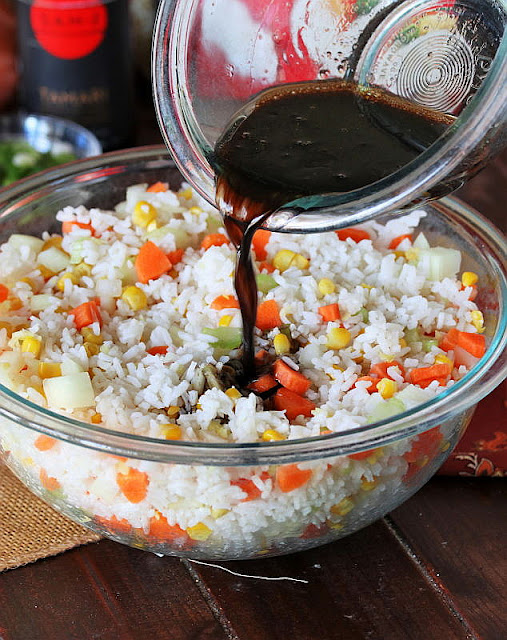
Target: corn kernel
54,241
143,213
173,411
45,272
281,344
336,526
96,418
91,348
29,282
233,393
300,262
283,259
399,254
199,532
387,388
367,485
412,254
82,269
338,338
478,321
343,507
135,298
443,359
49,370
469,278
171,431
218,513
403,343
15,304
152,226
31,344
195,210
272,435
225,321
89,336
60,285
186,193
326,286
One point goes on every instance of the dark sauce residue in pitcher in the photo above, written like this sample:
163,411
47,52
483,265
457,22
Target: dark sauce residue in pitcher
305,139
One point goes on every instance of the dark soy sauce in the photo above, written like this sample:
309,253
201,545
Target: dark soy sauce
306,139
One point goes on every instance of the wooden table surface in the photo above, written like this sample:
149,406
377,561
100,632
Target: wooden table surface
434,569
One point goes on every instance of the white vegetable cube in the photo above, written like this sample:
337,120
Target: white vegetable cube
54,259
72,391
18,240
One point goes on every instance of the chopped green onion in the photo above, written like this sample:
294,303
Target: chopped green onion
227,337
265,282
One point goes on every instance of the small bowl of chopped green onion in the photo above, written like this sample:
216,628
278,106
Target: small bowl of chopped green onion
31,142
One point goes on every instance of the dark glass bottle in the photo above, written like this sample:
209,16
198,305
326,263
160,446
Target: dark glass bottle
76,64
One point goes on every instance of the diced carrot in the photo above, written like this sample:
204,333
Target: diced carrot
290,379
225,302
165,532
266,266
353,233
268,316
373,383
151,262
426,444
158,187
263,384
330,312
423,376
86,314
380,369
4,293
214,240
474,343
68,226
115,525
290,477
293,404
133,484
247,486
362,455
175,256
449,341
157,351
45,443
314,531
260,357
399,239
259,241
51,484
119,458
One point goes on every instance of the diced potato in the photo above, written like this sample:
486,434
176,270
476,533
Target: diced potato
72,391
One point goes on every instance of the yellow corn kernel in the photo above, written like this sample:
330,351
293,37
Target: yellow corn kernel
54,241
31,344
199,532
283,259
387,388
186,193
411,254
49,370
96,418
39,388
399,254
60,285
195,210
89,336
173,411
326,286
171,431
443,359
368,485
300,262
343,507
15,304
281,343
82,269
478,321
218,513
469,278
272,435
403,343
135,298
338,338
29,282
336,525
45,272
233,393
91,348
143,213
225,321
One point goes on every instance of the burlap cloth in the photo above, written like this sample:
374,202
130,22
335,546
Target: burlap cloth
30,529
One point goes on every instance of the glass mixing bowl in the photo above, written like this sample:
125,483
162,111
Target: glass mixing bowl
356,476
211,57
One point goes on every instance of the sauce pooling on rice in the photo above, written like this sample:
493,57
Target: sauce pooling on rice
305,139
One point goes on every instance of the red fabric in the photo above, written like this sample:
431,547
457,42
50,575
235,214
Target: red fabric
483,449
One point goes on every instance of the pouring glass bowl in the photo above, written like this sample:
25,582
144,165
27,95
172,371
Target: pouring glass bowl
362,473
210,57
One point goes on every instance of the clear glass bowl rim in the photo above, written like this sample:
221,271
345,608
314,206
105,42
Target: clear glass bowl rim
486,115
473,387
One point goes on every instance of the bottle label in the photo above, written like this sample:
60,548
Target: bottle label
71,29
